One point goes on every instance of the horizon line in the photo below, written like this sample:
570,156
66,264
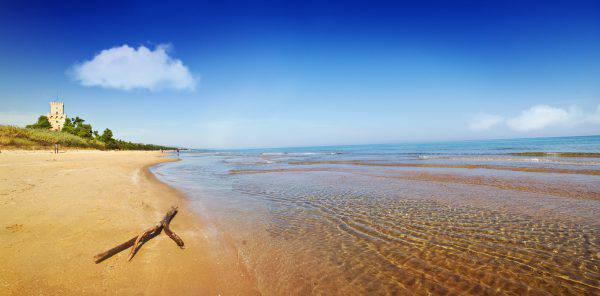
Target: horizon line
391,143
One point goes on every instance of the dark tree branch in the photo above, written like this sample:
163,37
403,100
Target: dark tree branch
138,241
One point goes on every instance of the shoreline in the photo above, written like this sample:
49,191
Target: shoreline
58,211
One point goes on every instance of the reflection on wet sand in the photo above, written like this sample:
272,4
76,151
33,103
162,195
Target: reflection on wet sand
350,227
401,239
408,244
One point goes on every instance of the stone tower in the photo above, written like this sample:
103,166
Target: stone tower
57,116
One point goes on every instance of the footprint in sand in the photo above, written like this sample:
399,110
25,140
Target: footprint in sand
15,228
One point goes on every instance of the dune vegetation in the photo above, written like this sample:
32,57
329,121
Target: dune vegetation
43,138
35,138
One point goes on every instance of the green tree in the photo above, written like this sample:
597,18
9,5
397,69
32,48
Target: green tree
77,121
42,122
76,126
84,130
68,127
107,136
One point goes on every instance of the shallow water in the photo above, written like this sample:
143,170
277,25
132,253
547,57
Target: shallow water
341,228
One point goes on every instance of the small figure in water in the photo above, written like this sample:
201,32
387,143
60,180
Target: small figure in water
55,148
177,152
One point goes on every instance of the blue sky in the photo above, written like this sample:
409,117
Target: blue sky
268,74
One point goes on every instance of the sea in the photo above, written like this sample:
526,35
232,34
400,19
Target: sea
512,217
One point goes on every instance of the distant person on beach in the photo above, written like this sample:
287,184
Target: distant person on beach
55,148
177,152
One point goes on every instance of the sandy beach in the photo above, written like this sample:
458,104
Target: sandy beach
58,211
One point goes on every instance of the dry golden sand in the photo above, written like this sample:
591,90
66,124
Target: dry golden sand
58,211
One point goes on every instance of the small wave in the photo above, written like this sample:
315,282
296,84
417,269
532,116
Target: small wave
298,153
313,153
209,153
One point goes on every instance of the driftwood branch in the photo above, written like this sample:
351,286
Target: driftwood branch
137,241
172,234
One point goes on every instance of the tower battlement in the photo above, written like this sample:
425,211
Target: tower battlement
57,115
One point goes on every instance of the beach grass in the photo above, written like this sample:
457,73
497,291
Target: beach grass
29,138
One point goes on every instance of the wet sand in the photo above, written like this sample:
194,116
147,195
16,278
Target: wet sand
58,211
343,228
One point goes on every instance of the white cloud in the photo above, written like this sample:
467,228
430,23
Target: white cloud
538,117
128,68
484,121
18,119
543,116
